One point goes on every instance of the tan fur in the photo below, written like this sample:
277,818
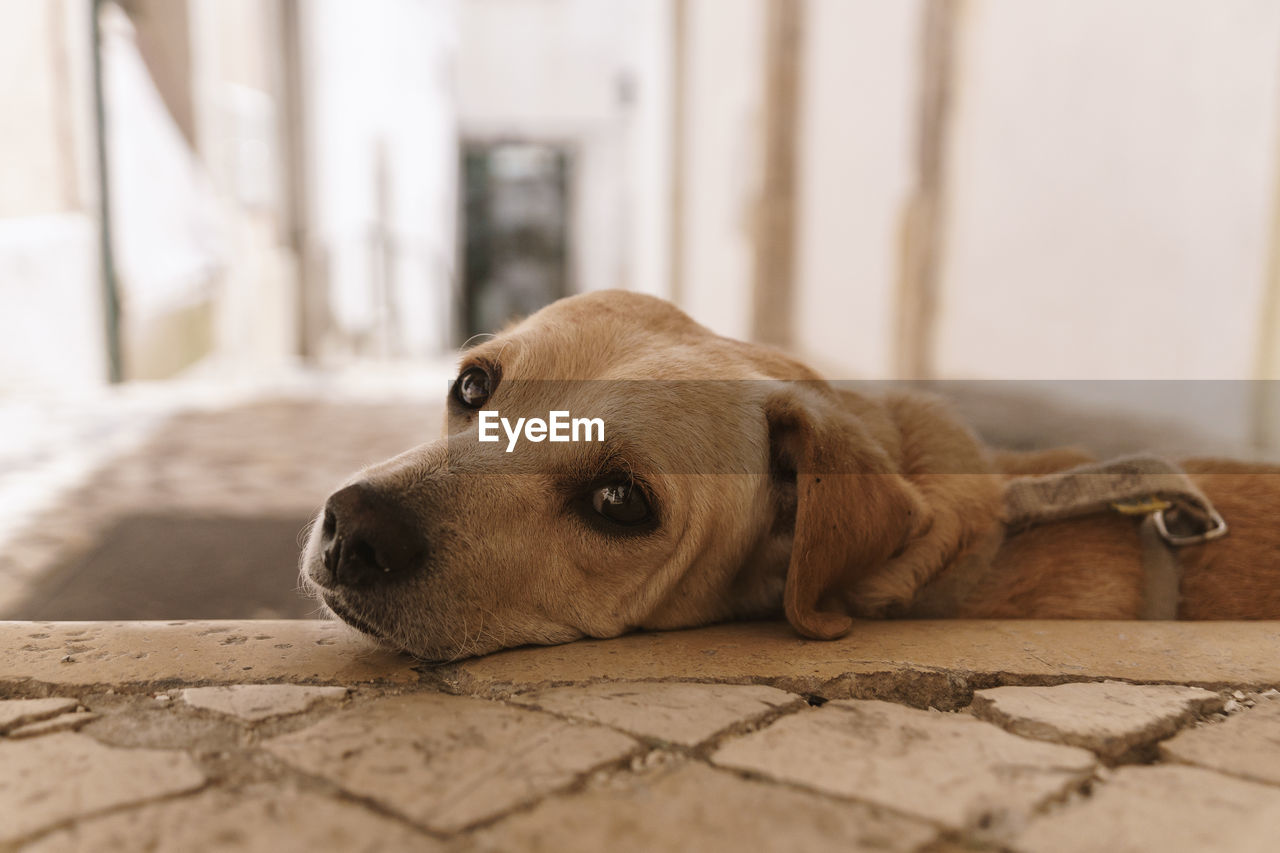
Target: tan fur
880,496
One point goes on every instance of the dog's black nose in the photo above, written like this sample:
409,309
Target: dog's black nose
368,538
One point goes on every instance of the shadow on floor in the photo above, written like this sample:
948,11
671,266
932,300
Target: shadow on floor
178,567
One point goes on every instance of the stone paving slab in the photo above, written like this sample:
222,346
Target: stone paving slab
446,762
1247,744
255,702
947,768
694,808
947,657
51,779
1167,809
1112,719
686,714
211,652
258,819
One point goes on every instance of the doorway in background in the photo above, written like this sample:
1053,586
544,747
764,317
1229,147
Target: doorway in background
515,231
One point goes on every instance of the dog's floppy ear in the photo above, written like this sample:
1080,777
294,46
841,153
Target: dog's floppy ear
853,509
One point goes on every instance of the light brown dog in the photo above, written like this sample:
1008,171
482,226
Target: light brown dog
731,483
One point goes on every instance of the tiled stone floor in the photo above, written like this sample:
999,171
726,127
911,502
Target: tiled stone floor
270,735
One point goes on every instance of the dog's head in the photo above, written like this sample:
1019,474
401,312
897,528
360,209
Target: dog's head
730,483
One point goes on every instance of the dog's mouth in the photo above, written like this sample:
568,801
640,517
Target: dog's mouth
344,612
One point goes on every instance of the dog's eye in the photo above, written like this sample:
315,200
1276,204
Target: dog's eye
621,503
473,387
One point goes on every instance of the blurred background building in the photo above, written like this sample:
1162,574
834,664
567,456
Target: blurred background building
1068,192
1066,189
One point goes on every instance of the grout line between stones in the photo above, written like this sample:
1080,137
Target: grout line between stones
579,783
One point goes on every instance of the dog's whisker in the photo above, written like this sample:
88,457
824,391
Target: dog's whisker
305,533
466,345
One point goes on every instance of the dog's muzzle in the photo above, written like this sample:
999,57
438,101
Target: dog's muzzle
367,540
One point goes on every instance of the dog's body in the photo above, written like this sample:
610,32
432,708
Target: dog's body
733,483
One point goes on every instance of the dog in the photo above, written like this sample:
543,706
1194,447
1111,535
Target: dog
731,483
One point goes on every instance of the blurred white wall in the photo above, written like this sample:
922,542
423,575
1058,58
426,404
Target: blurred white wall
722,153
1112,184
1109,194
381,171
168,232
200,200
50,297
857,167
176,206
51,327
1111,201
40,75
650,124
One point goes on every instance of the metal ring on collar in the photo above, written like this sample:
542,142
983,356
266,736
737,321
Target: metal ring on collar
1216,530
